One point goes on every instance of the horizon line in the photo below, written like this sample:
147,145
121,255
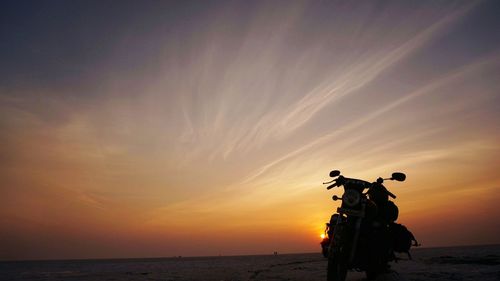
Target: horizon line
219,256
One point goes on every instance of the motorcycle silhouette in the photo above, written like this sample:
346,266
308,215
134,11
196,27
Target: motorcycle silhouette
362,234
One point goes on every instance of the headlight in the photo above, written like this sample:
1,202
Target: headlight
351,197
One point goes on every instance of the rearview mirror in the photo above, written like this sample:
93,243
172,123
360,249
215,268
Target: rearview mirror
398,176
334,173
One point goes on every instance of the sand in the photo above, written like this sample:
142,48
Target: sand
460,263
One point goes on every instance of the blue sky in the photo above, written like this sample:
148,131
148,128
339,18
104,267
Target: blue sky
138,121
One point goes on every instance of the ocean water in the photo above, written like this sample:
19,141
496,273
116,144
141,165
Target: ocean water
457,263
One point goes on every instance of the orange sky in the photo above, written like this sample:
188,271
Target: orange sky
196,128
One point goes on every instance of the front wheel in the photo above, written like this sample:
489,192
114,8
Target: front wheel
337,270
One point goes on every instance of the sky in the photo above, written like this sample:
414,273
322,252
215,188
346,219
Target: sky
193,128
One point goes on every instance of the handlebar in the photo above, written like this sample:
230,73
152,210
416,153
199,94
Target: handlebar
391,194
342,180
331,186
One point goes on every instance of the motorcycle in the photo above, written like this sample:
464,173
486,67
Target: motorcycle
363,235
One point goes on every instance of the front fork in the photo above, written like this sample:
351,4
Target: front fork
339,231
336,236
357,230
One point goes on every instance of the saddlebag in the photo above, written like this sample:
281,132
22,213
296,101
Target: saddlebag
403,238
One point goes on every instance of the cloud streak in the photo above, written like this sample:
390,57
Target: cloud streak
281,124
230,116
315,102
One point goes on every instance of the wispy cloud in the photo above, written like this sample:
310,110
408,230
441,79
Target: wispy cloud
330,138
280,124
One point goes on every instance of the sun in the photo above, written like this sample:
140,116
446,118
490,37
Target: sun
322,235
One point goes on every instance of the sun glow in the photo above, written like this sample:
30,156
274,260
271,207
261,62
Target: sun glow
322,235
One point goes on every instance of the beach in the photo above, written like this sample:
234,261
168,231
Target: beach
440,264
